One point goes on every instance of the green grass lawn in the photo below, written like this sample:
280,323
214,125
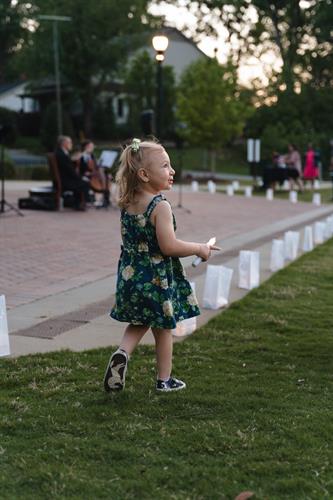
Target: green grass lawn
306,196
326,195
257,414
230,160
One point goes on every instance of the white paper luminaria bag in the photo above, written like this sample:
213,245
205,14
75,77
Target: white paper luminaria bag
4,337
270,195
293,196
319,233
217,287
277,255
291,242
248,269
308,239
248,191
316,199
328,230
189,325
211,186
195,186
329,222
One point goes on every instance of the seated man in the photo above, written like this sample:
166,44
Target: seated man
70,179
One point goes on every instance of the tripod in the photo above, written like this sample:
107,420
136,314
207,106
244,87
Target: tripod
4,205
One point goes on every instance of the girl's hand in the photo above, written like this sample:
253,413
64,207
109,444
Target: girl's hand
205,250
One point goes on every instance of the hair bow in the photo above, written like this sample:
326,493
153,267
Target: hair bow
135,145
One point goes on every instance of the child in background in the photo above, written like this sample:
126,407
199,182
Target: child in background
152,291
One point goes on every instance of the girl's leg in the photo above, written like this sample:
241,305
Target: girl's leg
164,345
114,378
132,336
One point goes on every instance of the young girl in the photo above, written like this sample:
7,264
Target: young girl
152,291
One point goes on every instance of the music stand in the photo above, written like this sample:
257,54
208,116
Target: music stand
4,205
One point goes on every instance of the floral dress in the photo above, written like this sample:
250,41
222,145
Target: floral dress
152,289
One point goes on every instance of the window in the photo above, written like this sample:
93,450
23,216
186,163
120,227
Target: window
120,107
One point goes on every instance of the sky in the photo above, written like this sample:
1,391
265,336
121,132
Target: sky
252,68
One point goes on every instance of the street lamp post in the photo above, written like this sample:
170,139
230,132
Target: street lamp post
55,20
160,44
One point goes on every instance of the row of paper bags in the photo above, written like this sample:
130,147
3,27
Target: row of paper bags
218,278
217,286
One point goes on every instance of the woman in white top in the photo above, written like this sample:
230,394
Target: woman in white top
294,165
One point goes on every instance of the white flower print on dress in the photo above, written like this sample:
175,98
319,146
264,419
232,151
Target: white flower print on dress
127,273
192,300
167,308
157,258
164,284
143,247
141,220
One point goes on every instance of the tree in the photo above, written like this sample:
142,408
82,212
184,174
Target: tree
297,118
210,105
297,32
93,46
13,24
141,91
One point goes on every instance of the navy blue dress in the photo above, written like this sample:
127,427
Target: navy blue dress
152,288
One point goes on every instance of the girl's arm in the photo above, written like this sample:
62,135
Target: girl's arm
167,241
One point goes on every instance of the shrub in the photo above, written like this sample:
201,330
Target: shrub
49,127
8,119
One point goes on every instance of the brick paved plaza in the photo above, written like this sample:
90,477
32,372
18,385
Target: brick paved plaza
45,253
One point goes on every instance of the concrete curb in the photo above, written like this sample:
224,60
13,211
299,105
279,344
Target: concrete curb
102,331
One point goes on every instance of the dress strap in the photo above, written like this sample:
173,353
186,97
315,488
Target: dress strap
153,204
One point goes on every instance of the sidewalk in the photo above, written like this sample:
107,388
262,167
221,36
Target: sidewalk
59,269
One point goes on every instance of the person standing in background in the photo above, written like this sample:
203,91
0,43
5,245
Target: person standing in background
294,166
70,179
310,168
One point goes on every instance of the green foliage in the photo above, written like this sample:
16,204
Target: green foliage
40,173
140,86
93,46
256,414
209,104
299,33
31,144
9,167
103,121
8,120
298,118
13,16
26,172
49,127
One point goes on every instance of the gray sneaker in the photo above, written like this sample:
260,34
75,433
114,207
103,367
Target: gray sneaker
114,378
173,384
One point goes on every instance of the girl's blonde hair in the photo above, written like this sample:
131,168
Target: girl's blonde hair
133,157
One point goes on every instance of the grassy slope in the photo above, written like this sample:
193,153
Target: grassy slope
230,160
257,414
307,195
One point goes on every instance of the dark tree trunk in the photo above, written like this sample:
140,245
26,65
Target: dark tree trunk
88,116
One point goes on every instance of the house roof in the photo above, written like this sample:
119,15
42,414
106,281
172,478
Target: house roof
44,86
175,34
6,87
